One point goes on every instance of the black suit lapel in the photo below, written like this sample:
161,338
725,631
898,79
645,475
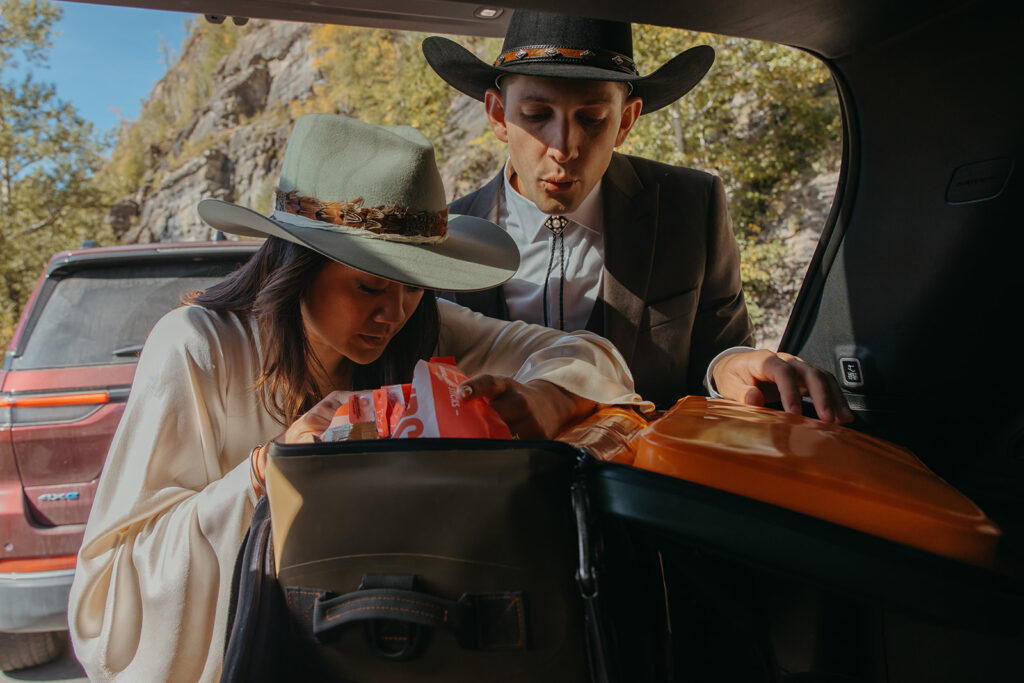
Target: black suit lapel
484,204
490,302
630,233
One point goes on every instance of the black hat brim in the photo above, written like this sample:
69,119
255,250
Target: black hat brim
468,74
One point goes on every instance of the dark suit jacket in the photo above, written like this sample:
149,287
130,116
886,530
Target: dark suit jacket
671,296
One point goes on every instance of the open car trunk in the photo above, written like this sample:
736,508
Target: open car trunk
910,300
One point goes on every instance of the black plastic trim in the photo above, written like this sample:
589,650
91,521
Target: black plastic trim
165,254
403,445
805,307
831,556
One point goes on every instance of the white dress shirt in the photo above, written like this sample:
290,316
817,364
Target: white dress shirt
584,259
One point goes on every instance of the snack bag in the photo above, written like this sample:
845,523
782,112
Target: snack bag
389,403
354,419
435,409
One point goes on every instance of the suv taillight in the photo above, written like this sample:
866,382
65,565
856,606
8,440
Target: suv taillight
42,409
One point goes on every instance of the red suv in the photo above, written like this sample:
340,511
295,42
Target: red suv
63,387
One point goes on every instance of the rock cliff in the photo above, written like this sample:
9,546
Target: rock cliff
231,148
237,137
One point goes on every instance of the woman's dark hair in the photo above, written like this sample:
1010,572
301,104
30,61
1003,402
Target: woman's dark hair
269,289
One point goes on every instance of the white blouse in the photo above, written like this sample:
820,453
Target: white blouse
150,596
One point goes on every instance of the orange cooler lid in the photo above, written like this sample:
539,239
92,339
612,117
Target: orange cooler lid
822,470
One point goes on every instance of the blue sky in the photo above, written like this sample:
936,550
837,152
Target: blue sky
108,58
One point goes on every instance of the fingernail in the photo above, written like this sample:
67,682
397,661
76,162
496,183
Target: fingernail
465,391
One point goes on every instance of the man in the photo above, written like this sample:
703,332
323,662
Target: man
640,252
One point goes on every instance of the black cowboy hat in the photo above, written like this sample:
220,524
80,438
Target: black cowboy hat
545,44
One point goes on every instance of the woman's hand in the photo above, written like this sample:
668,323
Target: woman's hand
303,430
314,422
535,410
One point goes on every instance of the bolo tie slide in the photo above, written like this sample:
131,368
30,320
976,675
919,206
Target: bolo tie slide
556,224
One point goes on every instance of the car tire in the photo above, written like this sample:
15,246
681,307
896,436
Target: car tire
22,650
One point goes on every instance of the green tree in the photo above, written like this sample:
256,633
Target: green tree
25,30
380,76
48,158
764,117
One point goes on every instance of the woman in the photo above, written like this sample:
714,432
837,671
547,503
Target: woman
338,298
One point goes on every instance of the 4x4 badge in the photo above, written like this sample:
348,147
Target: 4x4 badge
50,497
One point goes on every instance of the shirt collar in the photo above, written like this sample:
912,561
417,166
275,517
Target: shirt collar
525,213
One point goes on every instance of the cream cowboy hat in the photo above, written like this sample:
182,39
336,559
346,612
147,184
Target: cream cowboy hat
371,197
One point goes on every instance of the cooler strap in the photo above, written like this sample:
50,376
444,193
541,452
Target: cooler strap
482,621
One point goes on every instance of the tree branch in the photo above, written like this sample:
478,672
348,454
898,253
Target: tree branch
41,224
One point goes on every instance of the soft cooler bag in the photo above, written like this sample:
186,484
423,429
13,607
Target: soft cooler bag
426,560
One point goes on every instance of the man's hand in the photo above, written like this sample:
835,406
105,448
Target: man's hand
759,377
535,410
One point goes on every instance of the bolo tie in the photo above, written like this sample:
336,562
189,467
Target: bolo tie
556,224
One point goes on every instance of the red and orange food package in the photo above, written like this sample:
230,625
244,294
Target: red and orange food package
429,407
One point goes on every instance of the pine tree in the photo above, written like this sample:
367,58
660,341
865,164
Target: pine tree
48,158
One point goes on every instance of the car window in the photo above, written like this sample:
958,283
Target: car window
102,316
765,120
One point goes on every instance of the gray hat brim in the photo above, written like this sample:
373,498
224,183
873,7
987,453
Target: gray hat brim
477,254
